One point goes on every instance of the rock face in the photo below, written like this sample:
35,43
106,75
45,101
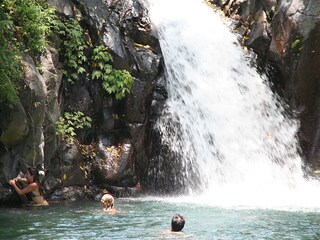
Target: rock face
113,152
285,36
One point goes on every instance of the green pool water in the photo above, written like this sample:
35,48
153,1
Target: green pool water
148,218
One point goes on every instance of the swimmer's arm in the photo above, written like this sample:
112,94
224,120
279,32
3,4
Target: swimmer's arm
24,180
27,189
110,211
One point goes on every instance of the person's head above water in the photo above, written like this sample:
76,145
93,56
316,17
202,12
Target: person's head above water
32,175
107,201
177,223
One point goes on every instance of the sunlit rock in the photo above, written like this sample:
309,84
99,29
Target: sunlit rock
115,166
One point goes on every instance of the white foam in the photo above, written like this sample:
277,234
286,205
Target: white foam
234,129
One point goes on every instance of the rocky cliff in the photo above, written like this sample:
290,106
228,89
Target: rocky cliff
112,153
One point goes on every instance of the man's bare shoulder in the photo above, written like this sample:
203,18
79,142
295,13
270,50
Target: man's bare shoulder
113,211
171,232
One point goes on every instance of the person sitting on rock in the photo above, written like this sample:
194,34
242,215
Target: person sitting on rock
33,186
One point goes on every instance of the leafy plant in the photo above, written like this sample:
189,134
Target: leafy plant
10,67
68,123
297,46
73,47
32,20
117,82
23,27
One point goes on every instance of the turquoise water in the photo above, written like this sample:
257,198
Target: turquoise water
147,219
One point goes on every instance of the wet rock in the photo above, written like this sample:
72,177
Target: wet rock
122,191
115,166
107,140
63,6
259,39
107,120
51,184
123,27
13,124
72,193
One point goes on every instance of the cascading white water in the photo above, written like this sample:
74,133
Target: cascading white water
232,128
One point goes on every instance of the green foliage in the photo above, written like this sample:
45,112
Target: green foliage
67,125
73,47
8,88
117,82
23,27
32,20
297,46
10,67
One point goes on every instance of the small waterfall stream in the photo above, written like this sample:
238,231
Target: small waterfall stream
235,144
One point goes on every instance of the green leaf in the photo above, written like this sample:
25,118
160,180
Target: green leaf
81,70
96,74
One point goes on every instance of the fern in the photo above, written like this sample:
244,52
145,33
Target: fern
116,82
73,47
68,123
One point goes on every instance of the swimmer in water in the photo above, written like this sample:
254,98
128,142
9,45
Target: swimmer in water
33,186
107,202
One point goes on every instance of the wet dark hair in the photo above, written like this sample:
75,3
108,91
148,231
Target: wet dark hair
177,223
35,173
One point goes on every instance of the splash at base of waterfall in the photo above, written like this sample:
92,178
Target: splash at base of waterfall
225,130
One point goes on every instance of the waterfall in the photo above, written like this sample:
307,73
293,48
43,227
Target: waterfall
233,139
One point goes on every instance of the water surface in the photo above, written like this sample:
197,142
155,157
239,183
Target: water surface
147,218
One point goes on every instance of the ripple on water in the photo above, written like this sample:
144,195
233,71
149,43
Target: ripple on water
148,219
